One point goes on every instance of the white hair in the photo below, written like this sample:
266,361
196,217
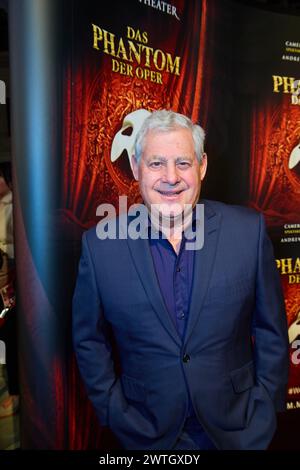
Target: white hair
166,121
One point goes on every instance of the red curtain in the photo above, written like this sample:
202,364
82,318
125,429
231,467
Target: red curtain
274,187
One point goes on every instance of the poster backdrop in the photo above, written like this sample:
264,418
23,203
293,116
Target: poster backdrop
127,58
233,69
268,105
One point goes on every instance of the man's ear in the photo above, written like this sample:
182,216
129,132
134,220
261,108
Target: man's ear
203,166
135,167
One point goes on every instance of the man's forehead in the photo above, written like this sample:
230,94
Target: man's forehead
161,142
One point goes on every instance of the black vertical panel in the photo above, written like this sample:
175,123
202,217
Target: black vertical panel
36,77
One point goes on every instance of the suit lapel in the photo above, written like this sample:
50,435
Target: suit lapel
142,259
203,265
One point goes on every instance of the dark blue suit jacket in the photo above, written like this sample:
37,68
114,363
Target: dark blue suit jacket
234,358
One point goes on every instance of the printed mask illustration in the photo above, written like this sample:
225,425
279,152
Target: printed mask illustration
294,329
294,157
125,137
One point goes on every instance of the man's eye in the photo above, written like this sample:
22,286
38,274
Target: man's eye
155,164
183,164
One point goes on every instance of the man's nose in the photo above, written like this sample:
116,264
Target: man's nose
171,175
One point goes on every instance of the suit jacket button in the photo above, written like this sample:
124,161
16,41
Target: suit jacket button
186,358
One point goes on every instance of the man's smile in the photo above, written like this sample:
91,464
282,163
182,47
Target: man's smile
170,193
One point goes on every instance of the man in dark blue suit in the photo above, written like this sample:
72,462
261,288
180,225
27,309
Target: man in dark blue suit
201,333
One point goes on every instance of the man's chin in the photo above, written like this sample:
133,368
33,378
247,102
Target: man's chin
168,210
172,215
171,219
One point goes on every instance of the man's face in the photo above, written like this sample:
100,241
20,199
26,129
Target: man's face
169,173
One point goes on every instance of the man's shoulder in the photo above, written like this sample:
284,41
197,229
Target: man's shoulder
90,235
107,230
239,226
230,212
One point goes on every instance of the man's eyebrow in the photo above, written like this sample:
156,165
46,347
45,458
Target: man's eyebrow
185,158
164,159
157,157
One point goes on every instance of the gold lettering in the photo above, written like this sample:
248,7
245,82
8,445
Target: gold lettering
97,34
109,41
173,66
288,85
162,59
137,54
137,35
148,50
295,99
121,50
122,68
115,65
294,279
278,263
286,265
139,72
145,37
158,78
130,32
297,266
277,82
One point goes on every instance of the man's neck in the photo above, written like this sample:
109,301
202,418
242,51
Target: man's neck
175,242
172,229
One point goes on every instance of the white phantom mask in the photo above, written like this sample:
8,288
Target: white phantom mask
294,329
294,157
125,137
